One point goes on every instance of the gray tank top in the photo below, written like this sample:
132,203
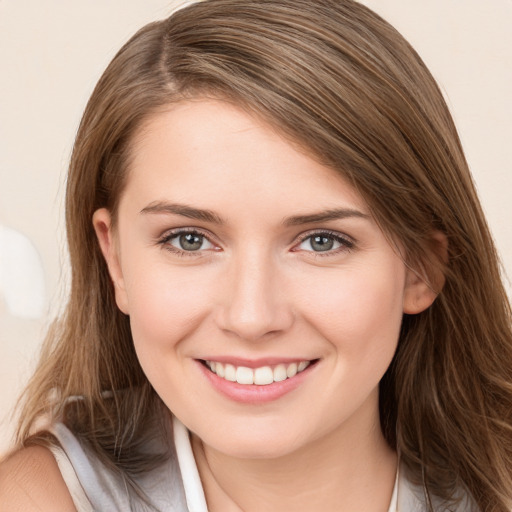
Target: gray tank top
173,487
176,486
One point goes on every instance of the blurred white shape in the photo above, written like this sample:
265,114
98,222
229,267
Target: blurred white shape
22,284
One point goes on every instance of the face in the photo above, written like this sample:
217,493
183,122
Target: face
265,303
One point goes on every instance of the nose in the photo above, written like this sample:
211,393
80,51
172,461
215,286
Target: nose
254,302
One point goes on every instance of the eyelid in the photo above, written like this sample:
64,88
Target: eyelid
348,243
173,233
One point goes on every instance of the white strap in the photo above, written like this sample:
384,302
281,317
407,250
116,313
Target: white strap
78,496
393,506
194,493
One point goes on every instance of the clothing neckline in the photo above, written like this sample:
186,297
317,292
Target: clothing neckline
194,492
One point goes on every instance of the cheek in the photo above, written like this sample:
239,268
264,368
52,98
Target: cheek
165,304
359,309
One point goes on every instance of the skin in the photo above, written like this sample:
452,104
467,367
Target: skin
30,480
257,288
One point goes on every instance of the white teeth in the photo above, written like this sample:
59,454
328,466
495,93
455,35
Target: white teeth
229,372
291,371
263,376
280,373
302,366
260,376
219,370
243,375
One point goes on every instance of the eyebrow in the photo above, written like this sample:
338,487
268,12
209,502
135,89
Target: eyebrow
210,216
184,210
323,216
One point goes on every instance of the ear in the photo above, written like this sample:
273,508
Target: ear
102,222
423,284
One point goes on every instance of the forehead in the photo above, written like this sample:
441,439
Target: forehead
209,150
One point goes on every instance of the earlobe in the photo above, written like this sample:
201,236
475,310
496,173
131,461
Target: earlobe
102,222
423,286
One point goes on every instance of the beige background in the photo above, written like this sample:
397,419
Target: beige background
53,51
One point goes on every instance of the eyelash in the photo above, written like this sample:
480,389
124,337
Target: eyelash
170,235
346,244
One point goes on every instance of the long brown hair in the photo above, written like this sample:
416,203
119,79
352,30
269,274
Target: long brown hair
338,80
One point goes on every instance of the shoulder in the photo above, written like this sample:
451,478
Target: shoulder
30,480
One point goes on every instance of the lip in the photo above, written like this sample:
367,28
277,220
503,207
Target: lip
255,363
253,393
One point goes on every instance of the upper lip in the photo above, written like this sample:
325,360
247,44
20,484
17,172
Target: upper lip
256,363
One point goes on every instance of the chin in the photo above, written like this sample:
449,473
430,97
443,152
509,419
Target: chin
254,443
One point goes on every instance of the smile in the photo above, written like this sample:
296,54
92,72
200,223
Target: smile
261,376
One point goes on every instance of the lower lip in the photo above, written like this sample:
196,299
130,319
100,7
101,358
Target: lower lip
252,393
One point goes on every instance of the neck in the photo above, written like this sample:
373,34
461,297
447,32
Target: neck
341,471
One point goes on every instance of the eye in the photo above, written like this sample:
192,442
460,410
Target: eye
325,242
187,241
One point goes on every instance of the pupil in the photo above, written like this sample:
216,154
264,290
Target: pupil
191,242
322,243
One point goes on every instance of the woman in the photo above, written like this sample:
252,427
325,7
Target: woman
276,246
